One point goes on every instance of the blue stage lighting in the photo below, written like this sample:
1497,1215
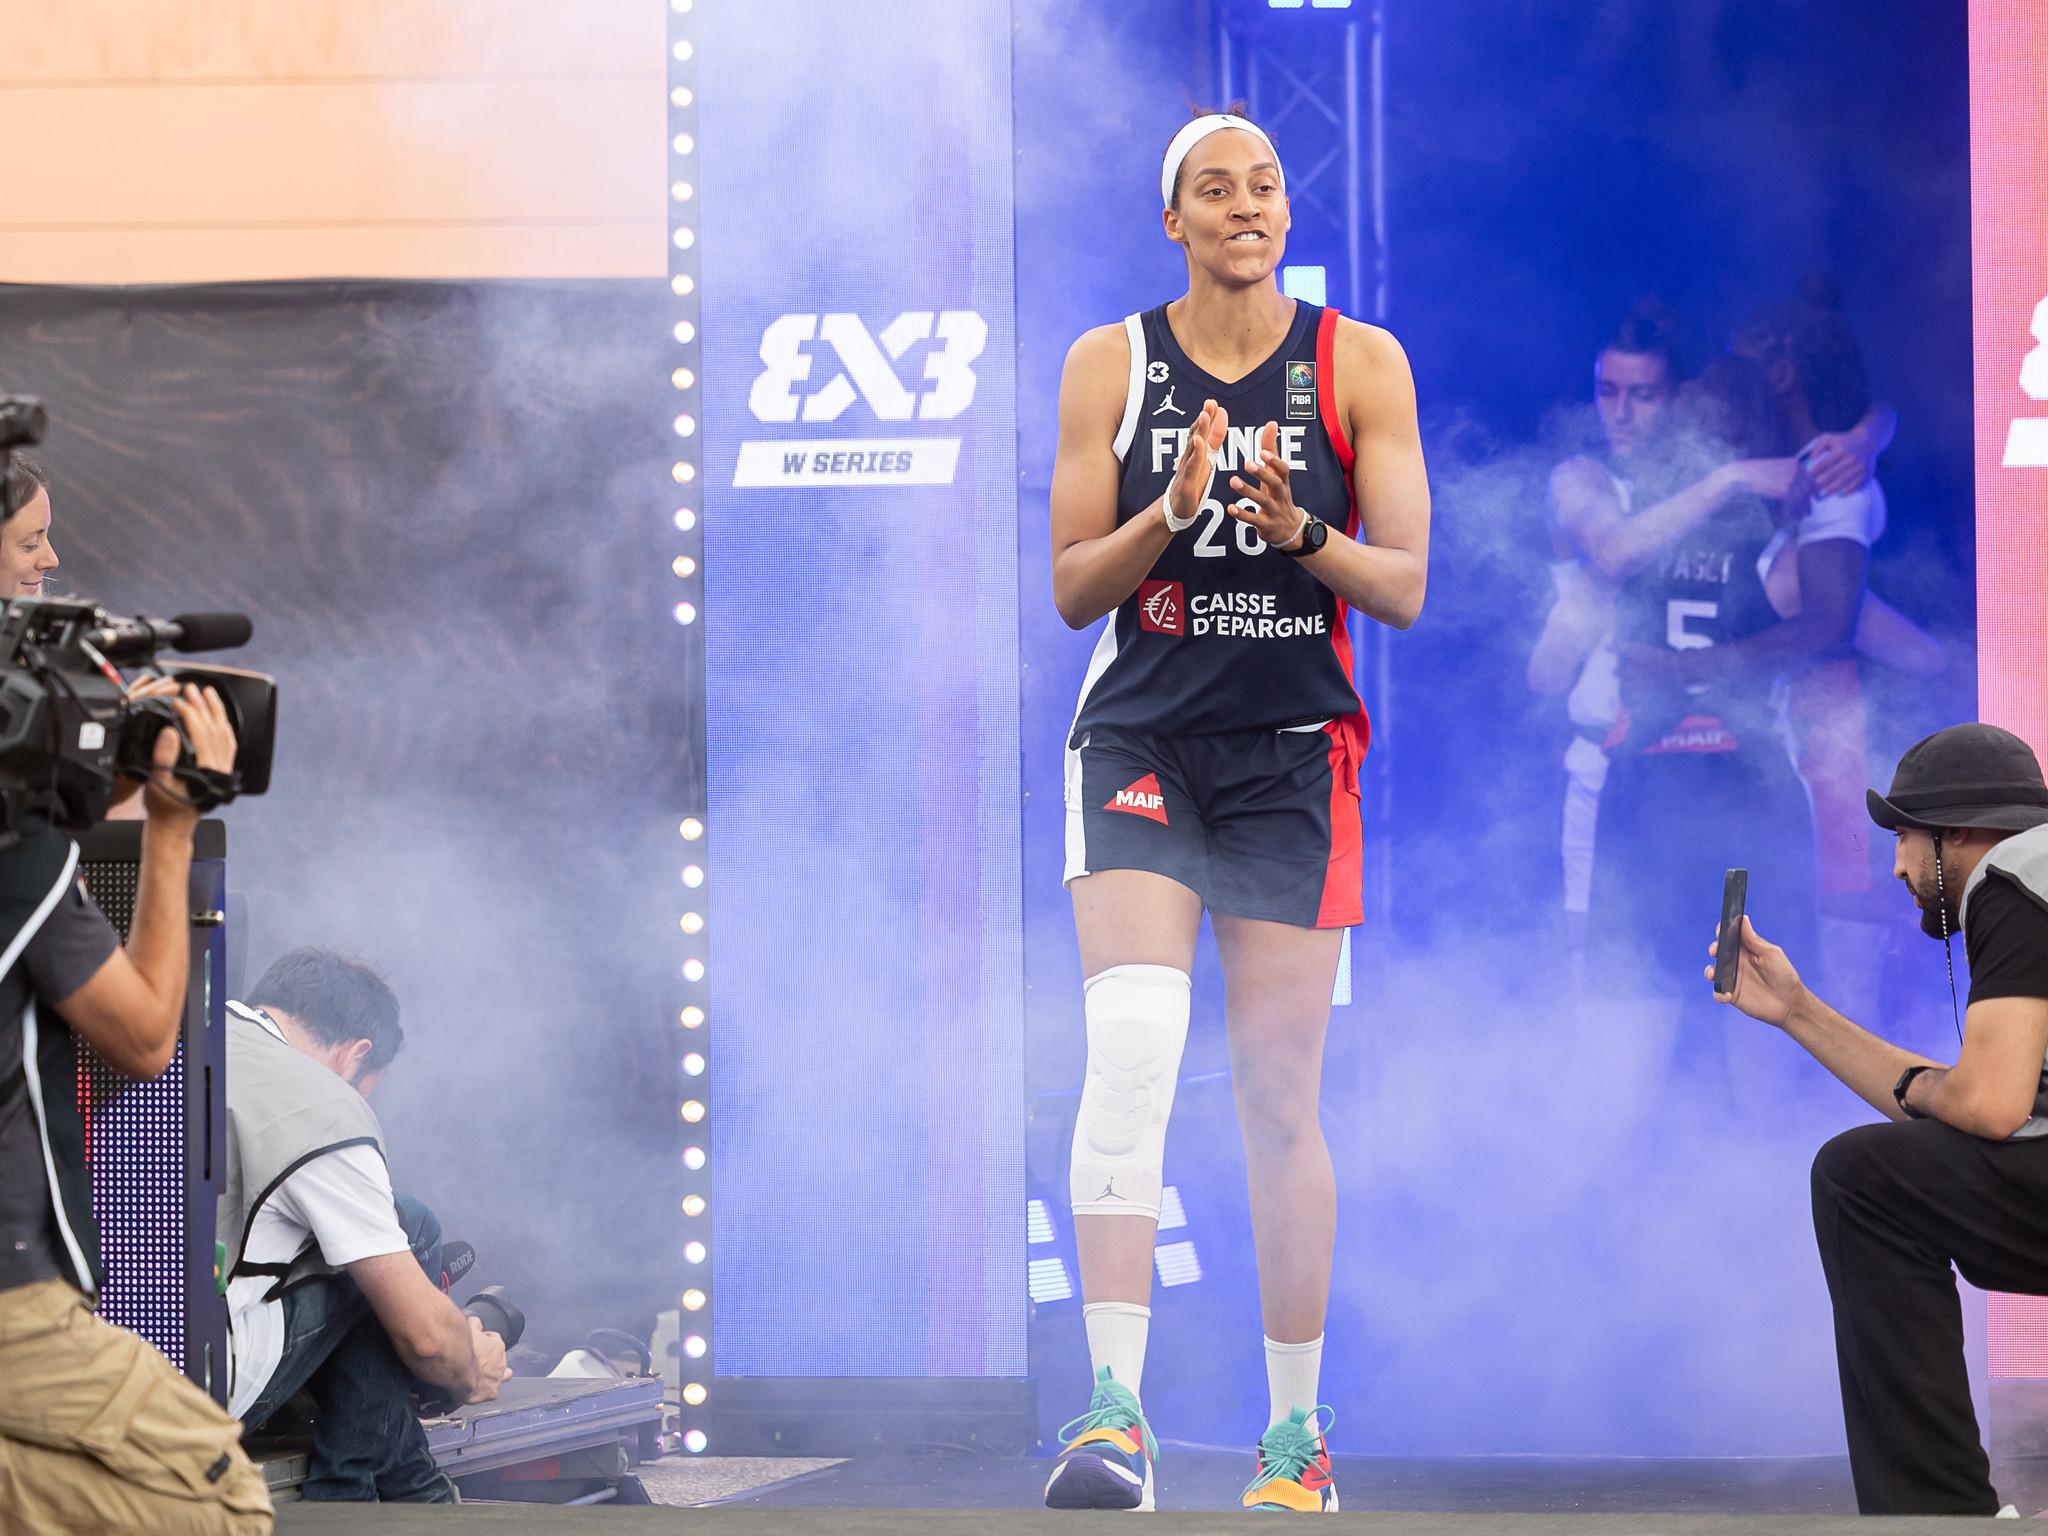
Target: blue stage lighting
1037,1225
1177,1264
1309,284
1171,1212
1047,1280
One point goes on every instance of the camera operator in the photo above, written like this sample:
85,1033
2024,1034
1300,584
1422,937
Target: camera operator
1959,1174
26,555
98,1431
331,1282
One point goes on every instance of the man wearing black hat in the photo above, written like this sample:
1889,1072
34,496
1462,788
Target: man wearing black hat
1960,1174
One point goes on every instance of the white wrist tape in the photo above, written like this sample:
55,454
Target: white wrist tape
1176,524
1137,1028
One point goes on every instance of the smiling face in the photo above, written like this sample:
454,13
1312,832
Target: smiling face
1230,210
26,555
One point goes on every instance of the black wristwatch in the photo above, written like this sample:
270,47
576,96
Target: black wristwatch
1313,532
1906,1081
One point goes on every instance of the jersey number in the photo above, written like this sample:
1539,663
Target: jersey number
1209,544
1677,612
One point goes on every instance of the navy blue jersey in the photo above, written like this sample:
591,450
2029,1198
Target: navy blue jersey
1705,590
1224,634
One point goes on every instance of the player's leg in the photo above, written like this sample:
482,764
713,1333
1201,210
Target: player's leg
1133,869
1286,868
1277,989
1628,1033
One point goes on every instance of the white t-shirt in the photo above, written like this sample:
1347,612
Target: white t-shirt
1858,516
342,1199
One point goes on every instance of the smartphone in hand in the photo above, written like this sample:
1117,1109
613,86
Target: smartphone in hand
1734,897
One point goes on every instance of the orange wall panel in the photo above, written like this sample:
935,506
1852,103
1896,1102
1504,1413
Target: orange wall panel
227,140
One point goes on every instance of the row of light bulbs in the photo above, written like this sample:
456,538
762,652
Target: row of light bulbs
682,192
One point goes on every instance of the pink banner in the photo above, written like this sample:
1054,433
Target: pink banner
2009,305
2009,263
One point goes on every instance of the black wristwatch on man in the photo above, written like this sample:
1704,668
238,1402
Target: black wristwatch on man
1905,1082
1314,531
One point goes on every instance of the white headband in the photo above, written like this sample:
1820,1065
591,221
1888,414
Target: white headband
1192,135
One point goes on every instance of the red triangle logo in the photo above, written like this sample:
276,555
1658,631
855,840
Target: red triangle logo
1141,799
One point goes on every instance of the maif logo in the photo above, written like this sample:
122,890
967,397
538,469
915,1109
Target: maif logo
862,368
1142,798
2026,444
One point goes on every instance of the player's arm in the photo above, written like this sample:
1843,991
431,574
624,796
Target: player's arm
1097,564
1386,576
1582,499
1841,462
1831,576
1570,631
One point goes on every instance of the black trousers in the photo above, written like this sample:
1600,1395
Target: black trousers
1894,1206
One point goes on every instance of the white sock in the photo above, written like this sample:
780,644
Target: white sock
1117,1331
1293,1376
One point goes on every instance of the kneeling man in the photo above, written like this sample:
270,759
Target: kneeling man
1960,1174
329,1284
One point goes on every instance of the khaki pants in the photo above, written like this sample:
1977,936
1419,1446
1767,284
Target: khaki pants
99,1433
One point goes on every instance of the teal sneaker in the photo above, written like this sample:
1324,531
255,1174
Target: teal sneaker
1294,1466
1106,1460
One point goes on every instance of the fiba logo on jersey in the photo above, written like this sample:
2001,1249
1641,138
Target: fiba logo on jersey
1162,607
1301,391
937,349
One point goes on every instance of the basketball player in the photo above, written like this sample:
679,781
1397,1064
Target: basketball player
1218,458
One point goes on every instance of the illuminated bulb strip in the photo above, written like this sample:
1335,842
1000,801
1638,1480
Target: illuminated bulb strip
685,413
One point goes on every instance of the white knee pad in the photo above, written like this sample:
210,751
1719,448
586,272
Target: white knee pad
1137,1026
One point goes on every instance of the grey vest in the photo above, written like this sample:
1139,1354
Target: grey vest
2022,859
284,1110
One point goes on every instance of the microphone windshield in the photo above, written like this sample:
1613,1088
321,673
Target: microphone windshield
212,631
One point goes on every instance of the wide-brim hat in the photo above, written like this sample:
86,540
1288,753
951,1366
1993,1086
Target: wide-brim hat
1966,776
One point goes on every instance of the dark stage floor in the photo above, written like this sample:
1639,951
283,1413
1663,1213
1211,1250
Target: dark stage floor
1191,1479
938,1495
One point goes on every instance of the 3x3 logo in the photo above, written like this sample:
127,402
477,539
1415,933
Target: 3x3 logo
2026,442
867,366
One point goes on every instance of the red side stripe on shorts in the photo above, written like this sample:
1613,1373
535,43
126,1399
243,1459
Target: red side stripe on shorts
1343,904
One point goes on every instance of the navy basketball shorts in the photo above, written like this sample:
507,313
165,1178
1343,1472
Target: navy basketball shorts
1259,824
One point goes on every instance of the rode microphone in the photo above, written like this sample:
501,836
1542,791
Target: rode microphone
128,639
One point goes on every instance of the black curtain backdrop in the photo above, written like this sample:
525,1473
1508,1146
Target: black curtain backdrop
448,510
